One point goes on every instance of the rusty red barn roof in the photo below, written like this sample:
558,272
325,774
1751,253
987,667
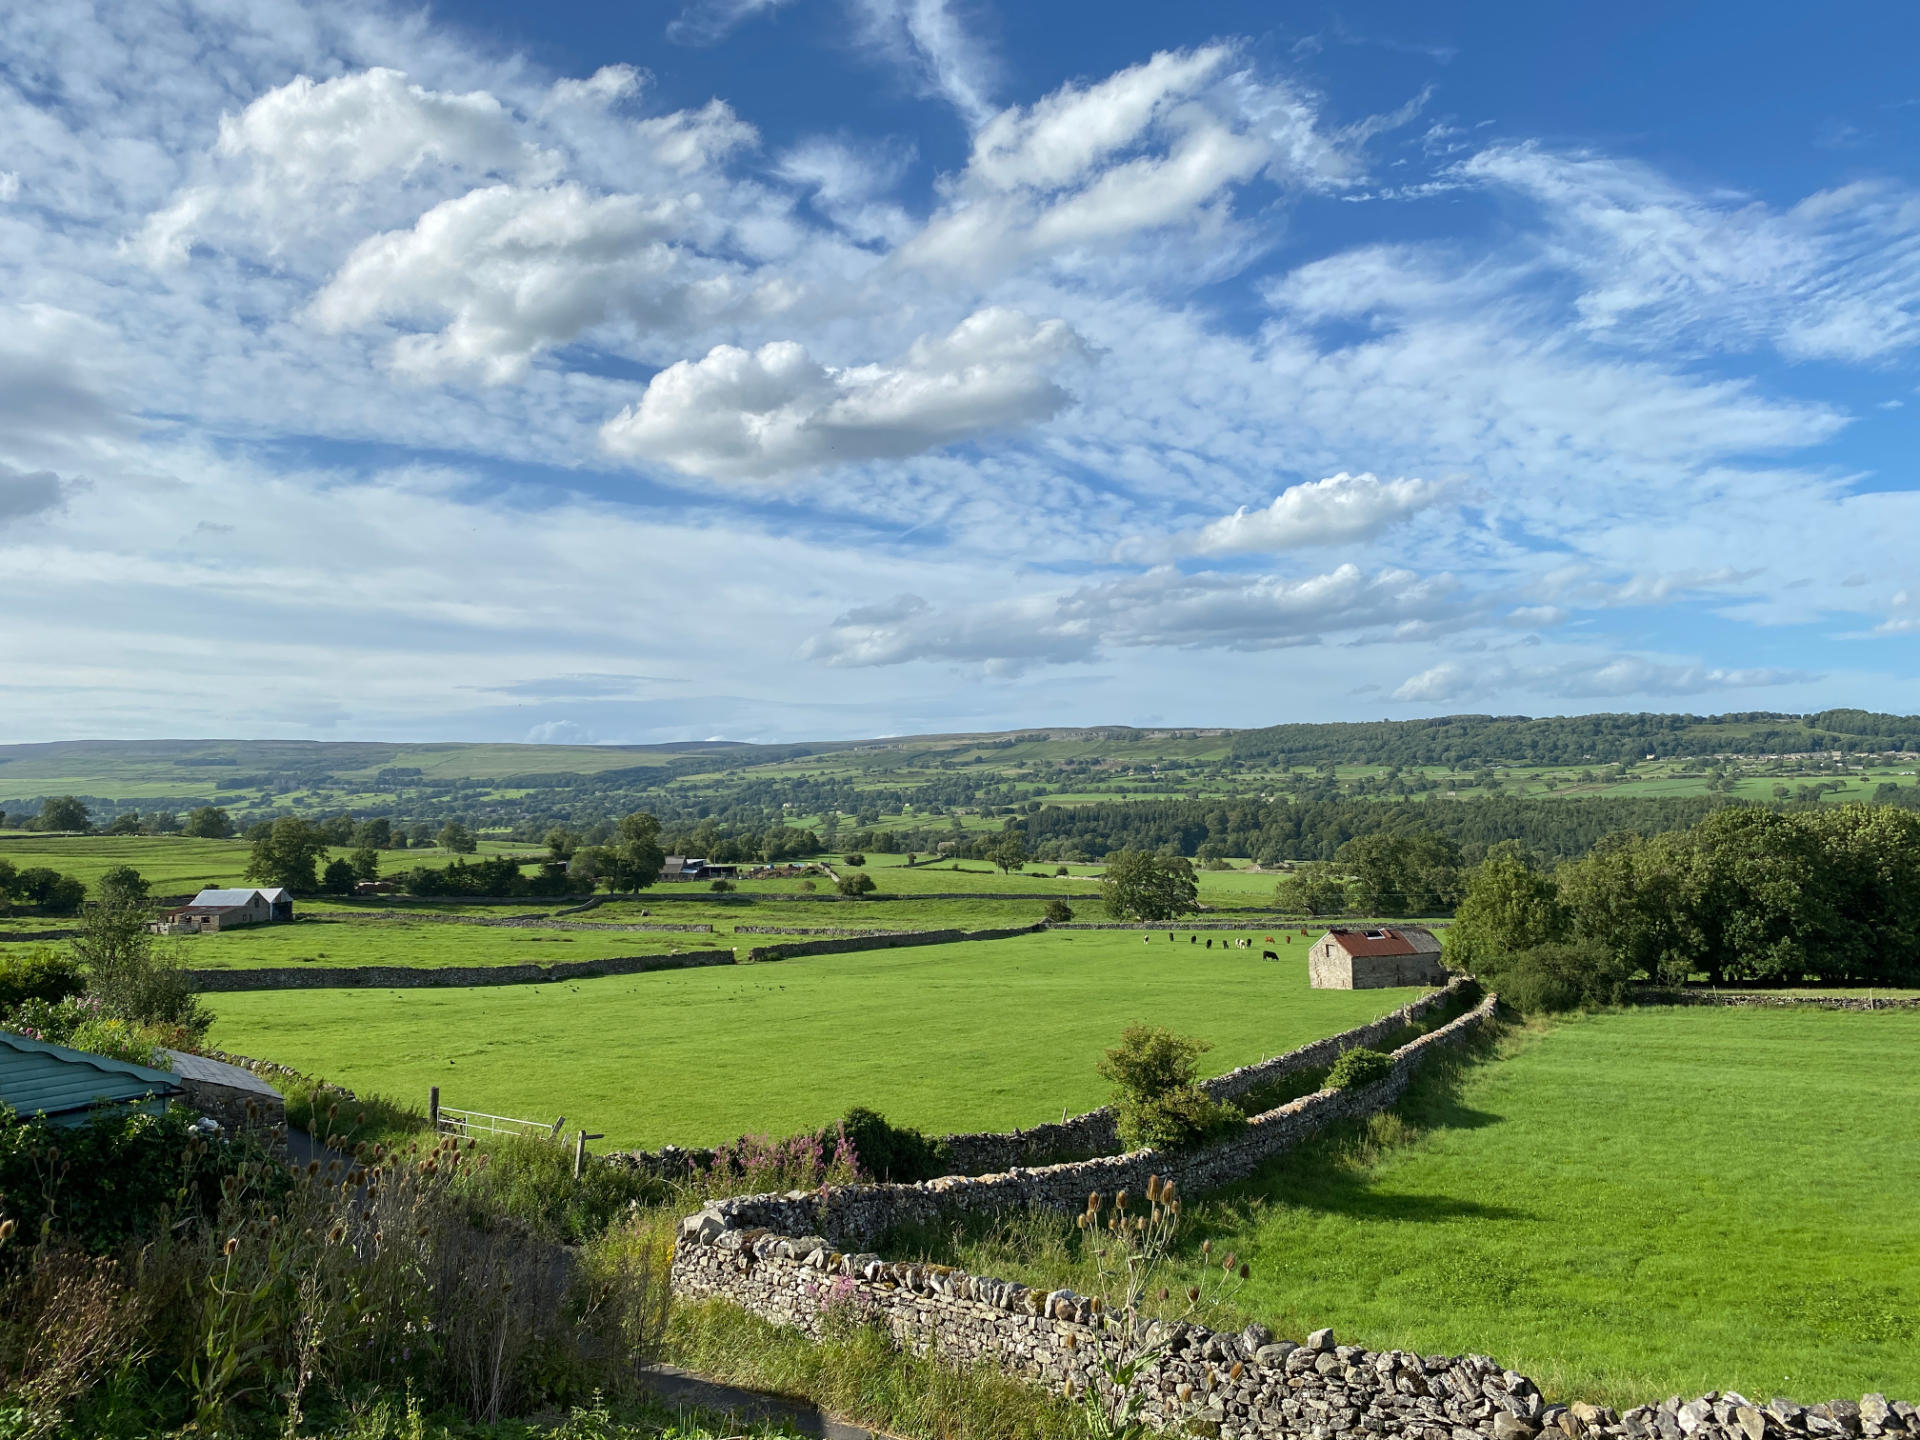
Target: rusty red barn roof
1373,942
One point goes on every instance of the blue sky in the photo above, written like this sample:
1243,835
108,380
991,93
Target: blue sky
776,369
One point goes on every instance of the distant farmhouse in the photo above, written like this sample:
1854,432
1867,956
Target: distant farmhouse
1376,959
685,867
213,910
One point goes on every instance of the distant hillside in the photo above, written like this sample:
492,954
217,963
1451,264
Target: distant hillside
1059,782
1575,740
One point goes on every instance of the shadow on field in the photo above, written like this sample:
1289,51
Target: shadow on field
1333,1171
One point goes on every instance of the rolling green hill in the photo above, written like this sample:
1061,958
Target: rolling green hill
1505,775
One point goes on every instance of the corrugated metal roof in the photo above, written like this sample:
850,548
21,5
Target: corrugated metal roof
41,1079
224,897
1399,940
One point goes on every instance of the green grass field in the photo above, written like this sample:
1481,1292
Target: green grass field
176,864
944,1037
1629,1205
422,945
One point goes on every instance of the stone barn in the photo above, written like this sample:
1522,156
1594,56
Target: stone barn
1376,958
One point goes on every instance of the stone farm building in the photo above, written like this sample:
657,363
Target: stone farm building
212,910
1375,958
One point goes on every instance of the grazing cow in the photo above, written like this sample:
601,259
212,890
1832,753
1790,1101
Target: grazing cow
1269,955
1209,942
1193,939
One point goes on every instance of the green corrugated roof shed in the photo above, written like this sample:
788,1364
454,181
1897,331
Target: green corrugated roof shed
67,1086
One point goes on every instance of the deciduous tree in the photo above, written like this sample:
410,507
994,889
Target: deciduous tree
1142,885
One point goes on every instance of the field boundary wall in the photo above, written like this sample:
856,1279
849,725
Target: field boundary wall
1776,1000
1094,1133
799,1260
884,940
402,977
542,921
982,1152
793,1259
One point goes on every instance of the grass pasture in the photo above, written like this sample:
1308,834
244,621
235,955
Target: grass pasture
423,945
179,864
991,1034
1624,1206
1636,1203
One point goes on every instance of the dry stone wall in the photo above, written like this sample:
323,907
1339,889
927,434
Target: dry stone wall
1094,1133
403,977
854,1216
1777,1000
800,1260
1238,1386
982,1152
883,940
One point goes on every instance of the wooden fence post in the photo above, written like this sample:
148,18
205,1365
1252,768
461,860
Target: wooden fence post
433,1107
580,1151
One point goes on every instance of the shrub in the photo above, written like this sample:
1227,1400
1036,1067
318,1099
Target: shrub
889,1152
531,1178
1058,912
96,1186
132,978
80,1022
1356,1069
1157,1091
854,886
856,859
808,887
1572,975
44,975
721,887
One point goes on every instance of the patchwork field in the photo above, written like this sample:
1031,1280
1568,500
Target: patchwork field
1626,1206
944,1037
178,864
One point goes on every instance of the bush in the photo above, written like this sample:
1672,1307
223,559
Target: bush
1058,912
886,1151
99,1185
1574,975
44,975
1357,1069
721,887
132,978
854,886
856,859
531,1178
1157,1091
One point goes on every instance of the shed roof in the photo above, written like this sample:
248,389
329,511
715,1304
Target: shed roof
225,897
1385,940
41,1079
189,1066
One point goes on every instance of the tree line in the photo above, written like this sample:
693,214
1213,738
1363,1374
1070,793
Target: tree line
1457,740
1271,831
1747,896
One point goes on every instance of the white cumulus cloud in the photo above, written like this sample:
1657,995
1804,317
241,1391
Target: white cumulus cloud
517,270
1337,509
751,414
